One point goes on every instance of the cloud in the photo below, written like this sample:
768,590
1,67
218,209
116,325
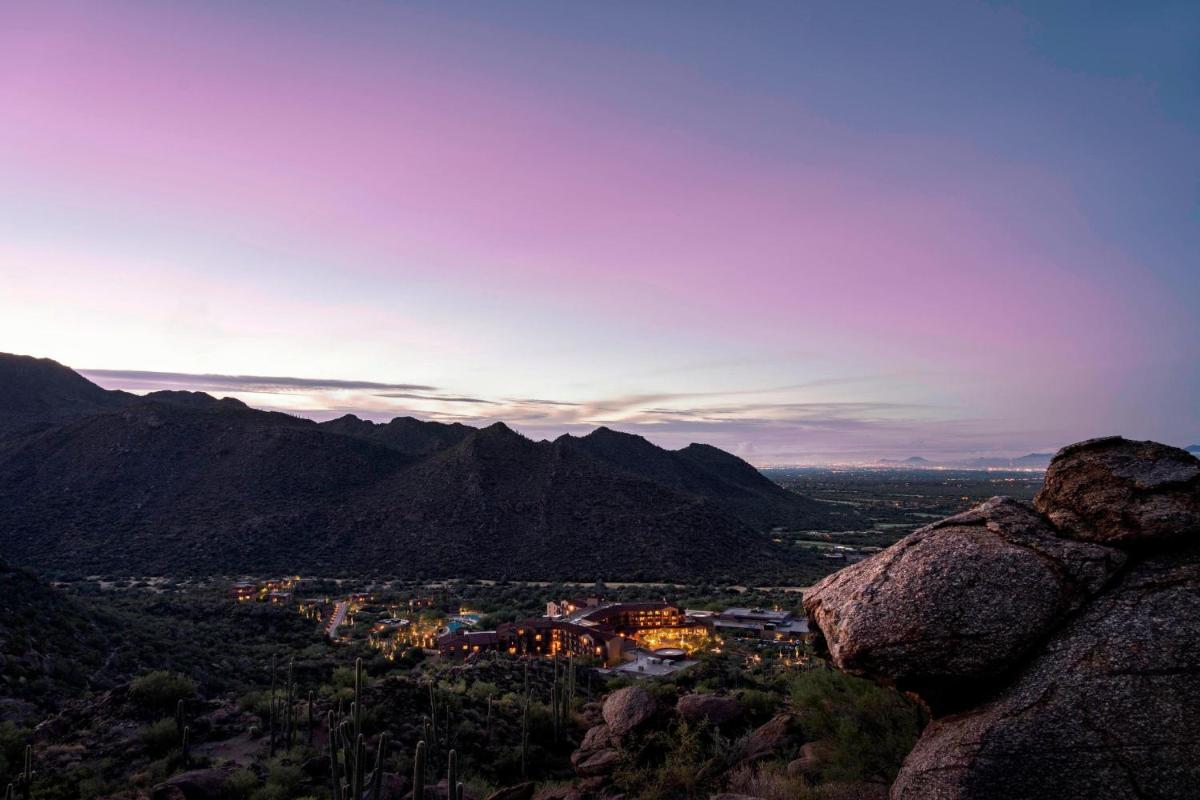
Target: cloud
768,426
437,397
143,380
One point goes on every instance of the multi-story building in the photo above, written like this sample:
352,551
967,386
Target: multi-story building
606,632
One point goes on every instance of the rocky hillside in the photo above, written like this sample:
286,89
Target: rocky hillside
182,483
1058,646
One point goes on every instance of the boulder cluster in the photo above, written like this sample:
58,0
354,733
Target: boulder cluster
1056,646
632,711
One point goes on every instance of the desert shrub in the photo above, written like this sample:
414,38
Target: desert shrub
760,705
241,784
257,703
768,781
668,764
161,690
283,782
160,737
865,730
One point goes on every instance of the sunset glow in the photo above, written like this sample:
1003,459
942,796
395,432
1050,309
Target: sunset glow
800,236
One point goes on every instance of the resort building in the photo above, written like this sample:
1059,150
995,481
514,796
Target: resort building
757,623
609,632
243,591
279,597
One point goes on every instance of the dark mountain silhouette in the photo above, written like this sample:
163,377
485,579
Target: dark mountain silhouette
406,434
706,471
179,483
36,392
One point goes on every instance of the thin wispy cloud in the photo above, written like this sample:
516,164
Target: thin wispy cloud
437,397
144,380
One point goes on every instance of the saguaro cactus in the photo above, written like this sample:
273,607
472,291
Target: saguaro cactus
349,776
418,792
271,710
525,736
310,718
24,783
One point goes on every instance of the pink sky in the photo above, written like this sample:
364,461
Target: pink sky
642,219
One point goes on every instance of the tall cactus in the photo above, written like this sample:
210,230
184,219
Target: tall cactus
348,772
418,792
310,718
24,783
451,772
432,738
27,775
377,773
271,712
187,747
525,737
289,700
335,774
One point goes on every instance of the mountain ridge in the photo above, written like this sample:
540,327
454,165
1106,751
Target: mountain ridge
180,482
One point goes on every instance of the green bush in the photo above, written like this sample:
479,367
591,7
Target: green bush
241,784
161,690
283,782
866,730
160,737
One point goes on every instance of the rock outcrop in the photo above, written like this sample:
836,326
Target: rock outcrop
697,708
957,601
1116,491
626,709
774,737
1069,636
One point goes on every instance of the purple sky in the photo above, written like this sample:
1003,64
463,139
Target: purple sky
802,232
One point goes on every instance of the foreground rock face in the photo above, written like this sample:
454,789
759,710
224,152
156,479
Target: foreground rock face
1095,689
957,601
1110,708
1118,491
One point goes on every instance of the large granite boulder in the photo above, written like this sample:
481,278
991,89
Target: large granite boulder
778,736
626,709
601,762
950,607
1109,709
1095,690
696,708
1116,491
